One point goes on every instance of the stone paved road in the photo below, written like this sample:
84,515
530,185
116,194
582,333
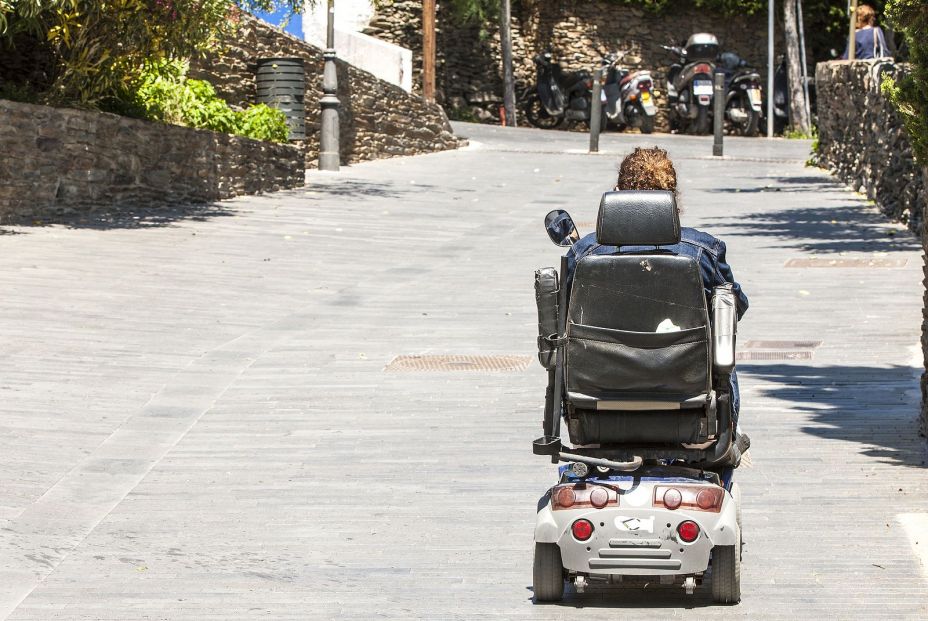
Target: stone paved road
195,421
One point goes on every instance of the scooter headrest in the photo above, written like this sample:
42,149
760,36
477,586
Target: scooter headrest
638,218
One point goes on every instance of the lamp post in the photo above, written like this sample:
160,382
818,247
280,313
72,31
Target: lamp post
328,138
770,68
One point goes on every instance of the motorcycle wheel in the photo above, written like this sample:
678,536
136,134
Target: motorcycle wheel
536,114
752,118
647,124
701,125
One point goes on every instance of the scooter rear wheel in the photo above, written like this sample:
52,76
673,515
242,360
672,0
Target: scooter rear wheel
647,124
701,125
548,574
726,574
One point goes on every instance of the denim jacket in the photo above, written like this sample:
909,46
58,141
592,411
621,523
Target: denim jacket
708,251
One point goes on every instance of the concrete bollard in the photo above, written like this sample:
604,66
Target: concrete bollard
718,113
596,110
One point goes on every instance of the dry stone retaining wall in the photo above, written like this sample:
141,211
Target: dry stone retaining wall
377,119
57,162
468,72
863,141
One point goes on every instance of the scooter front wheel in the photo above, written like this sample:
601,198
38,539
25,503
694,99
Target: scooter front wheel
548,573
537,115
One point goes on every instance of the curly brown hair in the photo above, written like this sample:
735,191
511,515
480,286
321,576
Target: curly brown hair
866,16
647,169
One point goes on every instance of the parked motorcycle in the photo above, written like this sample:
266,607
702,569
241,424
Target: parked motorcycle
558,96
628,96
781,97
743,95
689,83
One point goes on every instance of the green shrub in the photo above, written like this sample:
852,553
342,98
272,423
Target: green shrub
910,94
166,94
100,48
264,123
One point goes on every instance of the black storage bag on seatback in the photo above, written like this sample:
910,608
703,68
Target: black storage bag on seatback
546,294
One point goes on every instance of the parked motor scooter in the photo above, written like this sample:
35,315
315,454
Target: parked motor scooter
743,95
781,97
689,83
628,96
558,96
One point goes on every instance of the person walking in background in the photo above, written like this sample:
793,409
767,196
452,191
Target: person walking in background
869,41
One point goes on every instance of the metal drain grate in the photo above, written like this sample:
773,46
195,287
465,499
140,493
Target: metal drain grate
817,262
455,362
774,355
781,344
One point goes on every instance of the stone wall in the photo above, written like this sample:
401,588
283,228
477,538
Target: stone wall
377,119
57,162
468,72
863,142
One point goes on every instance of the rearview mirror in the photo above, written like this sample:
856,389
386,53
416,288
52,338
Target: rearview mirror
561,229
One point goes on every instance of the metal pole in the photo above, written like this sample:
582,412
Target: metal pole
770,62
802,59
718,114
328,139
428,50
596,110
852,38
505,38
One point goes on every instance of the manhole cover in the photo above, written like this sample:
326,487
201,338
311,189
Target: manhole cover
773,355
781,344
458,363
819,262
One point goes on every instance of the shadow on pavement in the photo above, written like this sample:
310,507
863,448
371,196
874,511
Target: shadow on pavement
875,407
642,593
786,184
847,228
317,188
129,218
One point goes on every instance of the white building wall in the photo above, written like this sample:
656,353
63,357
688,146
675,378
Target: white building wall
387,61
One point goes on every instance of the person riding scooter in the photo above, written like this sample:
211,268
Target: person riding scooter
652,169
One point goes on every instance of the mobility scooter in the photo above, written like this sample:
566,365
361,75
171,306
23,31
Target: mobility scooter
639,369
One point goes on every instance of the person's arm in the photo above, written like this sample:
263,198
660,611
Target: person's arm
577,252
725,275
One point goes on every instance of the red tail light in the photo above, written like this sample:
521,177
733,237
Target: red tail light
697,497
688,531
582,495
644,85
702,68
583,530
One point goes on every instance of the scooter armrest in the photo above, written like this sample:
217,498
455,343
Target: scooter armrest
724,328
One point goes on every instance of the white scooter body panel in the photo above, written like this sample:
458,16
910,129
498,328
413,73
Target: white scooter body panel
637,539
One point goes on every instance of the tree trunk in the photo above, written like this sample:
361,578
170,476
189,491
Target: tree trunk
798,119
505,38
